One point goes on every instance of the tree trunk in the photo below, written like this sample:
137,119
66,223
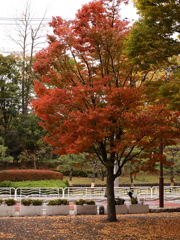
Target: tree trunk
102,174
93,175
132,180
70,177
34,163
172,172
110,195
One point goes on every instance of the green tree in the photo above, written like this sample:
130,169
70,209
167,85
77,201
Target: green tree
72,162
25,136
173,155
154,37
4,158
9,93
168,89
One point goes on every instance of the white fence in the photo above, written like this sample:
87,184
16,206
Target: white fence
170,192
37,192
6,192
95,193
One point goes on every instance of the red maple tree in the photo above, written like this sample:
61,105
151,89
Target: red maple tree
90,100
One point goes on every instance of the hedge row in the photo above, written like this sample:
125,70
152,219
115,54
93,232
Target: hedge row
41,184
29,175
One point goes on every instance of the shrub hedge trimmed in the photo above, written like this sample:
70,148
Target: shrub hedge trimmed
58,202
29,175
83,202
40,183
10,202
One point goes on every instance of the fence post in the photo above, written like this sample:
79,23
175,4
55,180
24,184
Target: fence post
63,189
15,193
151,192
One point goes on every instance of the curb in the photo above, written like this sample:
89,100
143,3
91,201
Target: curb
159,210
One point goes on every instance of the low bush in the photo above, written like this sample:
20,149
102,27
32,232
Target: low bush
90,202
119,201
37,202
29,174
26,202
64,202
1,201
83,202
10,202
34,202
134,200
58,202
80,202
53,202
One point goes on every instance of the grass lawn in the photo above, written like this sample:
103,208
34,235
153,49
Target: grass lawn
140,178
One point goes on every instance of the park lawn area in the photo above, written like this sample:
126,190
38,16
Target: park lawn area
140,178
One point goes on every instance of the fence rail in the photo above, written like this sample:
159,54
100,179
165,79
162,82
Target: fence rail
39,192
95,193
7,192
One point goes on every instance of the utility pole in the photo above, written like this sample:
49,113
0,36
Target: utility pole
161,180
116,181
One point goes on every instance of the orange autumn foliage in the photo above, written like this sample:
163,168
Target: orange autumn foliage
89,99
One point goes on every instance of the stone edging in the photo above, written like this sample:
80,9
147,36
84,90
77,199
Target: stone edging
159,210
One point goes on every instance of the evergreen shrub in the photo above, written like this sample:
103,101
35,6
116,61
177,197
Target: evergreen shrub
26,202
58,202
83,202
10,202
37,202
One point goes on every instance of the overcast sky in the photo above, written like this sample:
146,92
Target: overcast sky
64,8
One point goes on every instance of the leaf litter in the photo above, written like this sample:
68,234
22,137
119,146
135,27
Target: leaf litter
152,226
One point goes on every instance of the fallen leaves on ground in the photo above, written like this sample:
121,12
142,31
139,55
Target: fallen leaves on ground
160,226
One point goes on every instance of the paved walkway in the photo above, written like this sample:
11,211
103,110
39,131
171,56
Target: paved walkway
167,204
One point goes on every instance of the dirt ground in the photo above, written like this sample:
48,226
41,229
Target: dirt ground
152,226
